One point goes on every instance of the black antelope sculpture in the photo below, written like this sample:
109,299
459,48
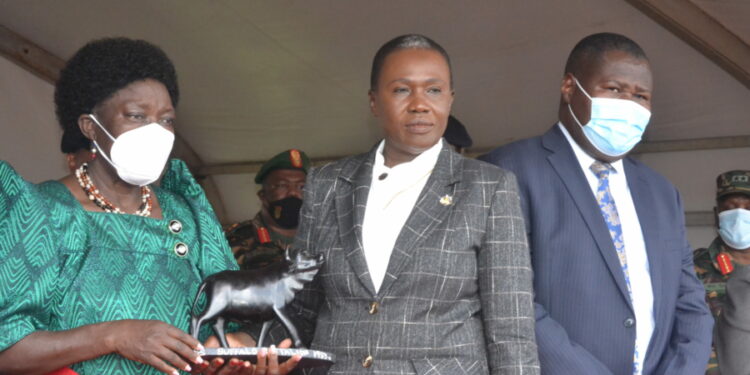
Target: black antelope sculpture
256,295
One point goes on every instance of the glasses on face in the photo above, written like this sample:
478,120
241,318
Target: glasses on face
284,187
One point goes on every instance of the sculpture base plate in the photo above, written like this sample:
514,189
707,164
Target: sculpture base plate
310,358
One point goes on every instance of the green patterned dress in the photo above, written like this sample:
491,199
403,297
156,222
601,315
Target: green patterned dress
62,267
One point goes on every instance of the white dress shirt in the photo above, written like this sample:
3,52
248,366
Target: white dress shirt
389,203
635,247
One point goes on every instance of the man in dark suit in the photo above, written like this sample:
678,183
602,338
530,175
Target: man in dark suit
613,273
427,267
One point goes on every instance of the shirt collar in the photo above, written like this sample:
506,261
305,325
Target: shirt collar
583,157
417,167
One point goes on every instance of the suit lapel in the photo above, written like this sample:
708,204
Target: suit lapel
428,211
644,201
565,164
350,211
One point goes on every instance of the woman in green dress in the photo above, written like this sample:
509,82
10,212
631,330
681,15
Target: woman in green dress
98,270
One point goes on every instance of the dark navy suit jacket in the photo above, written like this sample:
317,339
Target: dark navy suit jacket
584,318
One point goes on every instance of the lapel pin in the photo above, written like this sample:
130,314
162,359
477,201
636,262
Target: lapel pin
446,200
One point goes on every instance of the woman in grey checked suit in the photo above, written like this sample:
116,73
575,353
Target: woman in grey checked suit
427,266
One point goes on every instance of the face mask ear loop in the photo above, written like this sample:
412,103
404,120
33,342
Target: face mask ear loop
101,127
574,116
570,109
101,151
104,155
581,87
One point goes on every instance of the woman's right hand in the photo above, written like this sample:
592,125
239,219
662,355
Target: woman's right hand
155,343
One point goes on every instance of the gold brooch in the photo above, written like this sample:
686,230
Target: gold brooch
446,200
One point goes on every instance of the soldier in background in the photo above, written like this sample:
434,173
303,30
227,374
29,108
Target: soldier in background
456,135
261,241
716,264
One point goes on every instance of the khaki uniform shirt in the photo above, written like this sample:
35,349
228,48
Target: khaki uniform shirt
249,248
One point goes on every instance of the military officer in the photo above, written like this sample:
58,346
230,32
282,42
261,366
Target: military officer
716,264
261,241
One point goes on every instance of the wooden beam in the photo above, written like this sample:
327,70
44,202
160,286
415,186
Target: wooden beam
699,219
693,25
249,167
717,143
183,151
214,197
30,56
243,167
647,147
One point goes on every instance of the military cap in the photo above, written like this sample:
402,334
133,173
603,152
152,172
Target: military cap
733,182
456,134
289,159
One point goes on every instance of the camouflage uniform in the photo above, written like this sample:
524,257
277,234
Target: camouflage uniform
707,270
706,265
250,249
253,242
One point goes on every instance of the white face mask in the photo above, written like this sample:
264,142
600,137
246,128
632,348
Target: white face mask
139,155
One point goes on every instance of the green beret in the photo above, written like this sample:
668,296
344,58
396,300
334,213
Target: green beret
289,159
733,182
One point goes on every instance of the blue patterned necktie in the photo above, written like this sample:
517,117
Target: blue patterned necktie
609,212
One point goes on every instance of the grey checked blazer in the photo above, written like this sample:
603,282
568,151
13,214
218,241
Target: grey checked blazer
457,296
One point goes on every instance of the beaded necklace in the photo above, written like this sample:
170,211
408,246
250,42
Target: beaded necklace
95,196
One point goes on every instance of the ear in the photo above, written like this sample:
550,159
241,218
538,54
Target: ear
567,87
373,105
262,198
87,126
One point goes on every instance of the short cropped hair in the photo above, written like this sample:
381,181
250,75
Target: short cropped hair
407,41
98,70
594,46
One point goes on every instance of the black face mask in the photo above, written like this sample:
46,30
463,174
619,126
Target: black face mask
285,212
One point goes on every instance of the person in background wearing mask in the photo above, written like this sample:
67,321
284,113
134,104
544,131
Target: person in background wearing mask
728,253
615,288
457,136
262,240
100,268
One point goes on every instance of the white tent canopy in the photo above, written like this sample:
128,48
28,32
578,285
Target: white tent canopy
258,77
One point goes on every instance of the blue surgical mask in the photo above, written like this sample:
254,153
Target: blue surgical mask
615,126
734,228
